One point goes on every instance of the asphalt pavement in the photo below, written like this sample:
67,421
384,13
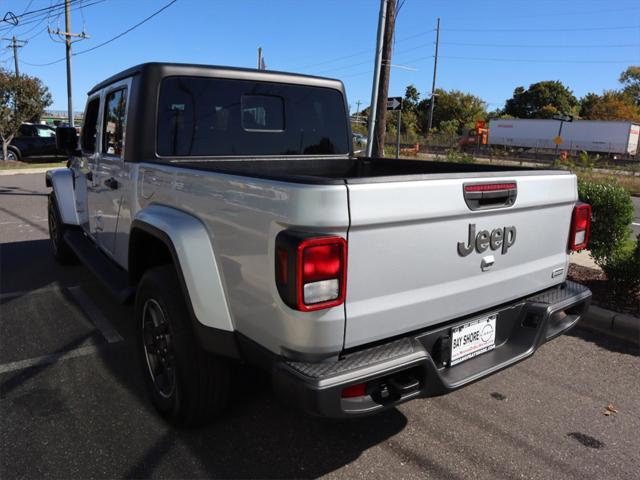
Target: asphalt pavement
72,403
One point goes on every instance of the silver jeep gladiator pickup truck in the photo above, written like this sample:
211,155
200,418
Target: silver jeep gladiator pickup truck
228,204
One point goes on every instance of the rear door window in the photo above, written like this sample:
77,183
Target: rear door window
27,131
45,132
200,116
113,126
90,126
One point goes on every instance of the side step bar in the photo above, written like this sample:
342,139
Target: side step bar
113,277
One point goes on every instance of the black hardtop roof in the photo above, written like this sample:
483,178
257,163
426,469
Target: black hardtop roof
170,69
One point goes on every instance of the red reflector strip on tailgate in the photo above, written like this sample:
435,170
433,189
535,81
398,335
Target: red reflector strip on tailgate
489,187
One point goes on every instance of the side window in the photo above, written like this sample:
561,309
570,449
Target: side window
90,127
114,122
46,132
26,131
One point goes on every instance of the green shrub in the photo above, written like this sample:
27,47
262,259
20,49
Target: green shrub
456,156
612,212
623,271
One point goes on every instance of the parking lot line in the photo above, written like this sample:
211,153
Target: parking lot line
48,359
94,315
7,295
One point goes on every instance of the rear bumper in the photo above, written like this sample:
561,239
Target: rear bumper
416,365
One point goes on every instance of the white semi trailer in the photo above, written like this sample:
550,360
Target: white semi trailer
615,137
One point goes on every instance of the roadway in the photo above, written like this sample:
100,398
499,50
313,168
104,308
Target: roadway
72,405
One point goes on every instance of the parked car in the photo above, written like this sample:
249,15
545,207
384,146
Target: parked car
359,140
228,204
33,142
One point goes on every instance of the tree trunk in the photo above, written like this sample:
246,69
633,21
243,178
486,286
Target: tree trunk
5,150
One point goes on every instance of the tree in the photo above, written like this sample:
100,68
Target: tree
541,100
411,99
630,80
459,109
611,105
22,99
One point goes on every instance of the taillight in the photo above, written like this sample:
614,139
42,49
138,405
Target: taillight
311,271
580,226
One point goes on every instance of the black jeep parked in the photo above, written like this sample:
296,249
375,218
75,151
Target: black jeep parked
33,141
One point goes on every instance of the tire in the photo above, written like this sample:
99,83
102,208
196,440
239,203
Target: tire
13,155
61,251
188,386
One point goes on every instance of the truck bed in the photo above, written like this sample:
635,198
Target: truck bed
351,170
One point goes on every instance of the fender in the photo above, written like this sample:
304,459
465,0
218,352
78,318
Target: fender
61,180
190,245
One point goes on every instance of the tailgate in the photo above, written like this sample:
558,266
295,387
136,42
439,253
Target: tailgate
406,271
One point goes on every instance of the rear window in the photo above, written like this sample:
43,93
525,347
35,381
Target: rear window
217,117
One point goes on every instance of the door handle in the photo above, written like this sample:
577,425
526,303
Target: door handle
112,183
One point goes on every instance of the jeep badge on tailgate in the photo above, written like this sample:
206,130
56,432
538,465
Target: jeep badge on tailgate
500,237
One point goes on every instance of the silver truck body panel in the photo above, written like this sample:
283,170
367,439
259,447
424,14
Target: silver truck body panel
105,204
198,265
61,180
242,217
404,269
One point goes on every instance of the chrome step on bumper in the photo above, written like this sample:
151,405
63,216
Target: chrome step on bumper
416,365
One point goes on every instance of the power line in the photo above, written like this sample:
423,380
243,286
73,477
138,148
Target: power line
362,52
550,15
556,30
50,7
80,52
129,29
503,45
426,32
530,60
57,9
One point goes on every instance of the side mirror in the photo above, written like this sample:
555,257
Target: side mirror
67,140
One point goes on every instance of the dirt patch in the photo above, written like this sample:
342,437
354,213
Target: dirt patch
599,285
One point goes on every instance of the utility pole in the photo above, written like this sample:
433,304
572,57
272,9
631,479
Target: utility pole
385,73
16,44
398,132
373,108
358,107
67,40
433,85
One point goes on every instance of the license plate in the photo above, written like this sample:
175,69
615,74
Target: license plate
473,338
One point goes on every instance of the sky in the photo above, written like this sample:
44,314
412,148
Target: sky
487,48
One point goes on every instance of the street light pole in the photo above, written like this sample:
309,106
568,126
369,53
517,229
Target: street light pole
398,138
373,109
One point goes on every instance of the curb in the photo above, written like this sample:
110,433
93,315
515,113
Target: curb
614,324
24,171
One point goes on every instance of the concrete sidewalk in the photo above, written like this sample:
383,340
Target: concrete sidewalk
25,171
583,259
